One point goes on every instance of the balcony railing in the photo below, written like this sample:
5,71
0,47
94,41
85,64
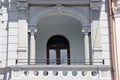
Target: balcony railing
63,61
60,72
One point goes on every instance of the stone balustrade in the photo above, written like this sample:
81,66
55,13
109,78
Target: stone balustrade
60,72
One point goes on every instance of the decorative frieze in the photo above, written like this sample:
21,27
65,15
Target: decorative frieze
95,4
22,4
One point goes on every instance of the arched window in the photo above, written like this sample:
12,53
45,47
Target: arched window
58,50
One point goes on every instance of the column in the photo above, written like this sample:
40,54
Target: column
86,31
33,30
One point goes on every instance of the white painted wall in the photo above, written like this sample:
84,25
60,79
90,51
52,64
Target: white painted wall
60,25
4,22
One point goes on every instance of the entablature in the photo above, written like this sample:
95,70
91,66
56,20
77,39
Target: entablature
23,4
63,2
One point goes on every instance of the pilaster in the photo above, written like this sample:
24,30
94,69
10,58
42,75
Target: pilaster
95,7
23,31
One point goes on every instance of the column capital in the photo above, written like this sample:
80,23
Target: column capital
32,30
86,30
22,4
116,11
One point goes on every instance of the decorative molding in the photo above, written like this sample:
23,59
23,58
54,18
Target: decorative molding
95,5
59,8
116,11
22,4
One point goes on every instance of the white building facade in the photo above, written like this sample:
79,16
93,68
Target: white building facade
54,40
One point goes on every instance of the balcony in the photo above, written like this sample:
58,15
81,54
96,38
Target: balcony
60,72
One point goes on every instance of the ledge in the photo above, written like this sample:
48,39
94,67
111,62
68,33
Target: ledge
61,67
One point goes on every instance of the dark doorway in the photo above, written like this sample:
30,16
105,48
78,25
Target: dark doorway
58,50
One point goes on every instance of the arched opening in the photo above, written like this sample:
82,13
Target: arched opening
72,36
58,50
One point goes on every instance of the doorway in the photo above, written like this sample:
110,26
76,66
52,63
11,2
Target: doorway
58,52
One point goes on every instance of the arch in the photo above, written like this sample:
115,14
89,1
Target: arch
58,40
75,13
